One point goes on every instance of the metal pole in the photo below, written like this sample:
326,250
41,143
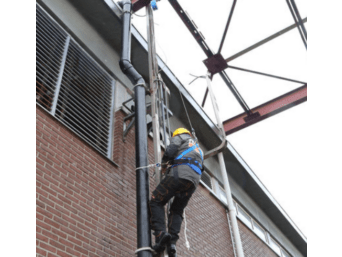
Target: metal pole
265,74
296,16
231,206
153,73
263,41
142,175
155,88
162,107
141,154
227,26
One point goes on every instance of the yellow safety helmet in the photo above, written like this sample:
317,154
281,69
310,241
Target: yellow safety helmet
180,131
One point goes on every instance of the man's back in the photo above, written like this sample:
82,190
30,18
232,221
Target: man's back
178,145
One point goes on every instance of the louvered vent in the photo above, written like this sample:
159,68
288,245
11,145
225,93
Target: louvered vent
206,179
72,86
85,98
50,42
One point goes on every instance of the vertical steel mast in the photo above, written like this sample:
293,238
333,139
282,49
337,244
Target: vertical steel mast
157,98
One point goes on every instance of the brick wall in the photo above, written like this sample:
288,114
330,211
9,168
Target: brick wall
252,245
86,204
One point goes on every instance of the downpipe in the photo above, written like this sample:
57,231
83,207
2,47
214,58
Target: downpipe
231,206
142,175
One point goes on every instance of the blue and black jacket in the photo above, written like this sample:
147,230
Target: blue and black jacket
186,158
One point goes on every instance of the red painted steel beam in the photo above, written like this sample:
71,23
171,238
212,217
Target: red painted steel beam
267,110
138,4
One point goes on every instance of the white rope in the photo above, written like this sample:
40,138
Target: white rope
149,166
145,249
187,244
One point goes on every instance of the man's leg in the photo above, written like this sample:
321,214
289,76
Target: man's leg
186,189
160,196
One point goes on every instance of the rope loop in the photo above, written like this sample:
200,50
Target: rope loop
145,249
151,165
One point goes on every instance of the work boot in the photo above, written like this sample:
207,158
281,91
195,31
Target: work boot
162,239
171,250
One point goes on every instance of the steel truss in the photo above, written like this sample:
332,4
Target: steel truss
216,64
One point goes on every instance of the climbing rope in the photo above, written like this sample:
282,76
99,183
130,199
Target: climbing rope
187,244
186,111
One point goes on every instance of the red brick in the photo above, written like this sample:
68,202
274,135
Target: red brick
60,221
80,249
74,228
57,245
65,242
68,231
72,252
44,212
47,247
42,238
57,189
41,252
82,238
62,210
40,204
63,254
48,190
52,255
64,199
74,240
52,223
43,225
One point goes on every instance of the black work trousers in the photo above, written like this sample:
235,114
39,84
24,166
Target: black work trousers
169,187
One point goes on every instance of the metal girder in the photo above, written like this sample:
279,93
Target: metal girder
267,110
200,40
227,26
138,4
265,74
296,16
263,41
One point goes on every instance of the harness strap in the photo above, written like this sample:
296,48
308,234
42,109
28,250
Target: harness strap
193,164
187,151
188,160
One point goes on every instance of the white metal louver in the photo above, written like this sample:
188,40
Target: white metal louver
50,42
72,86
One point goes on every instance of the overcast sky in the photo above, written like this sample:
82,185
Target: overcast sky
274,148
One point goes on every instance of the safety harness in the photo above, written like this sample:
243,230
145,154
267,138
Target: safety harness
193,164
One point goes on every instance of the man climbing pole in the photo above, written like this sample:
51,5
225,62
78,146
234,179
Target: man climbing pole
182,163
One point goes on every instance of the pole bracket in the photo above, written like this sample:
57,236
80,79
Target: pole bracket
216,64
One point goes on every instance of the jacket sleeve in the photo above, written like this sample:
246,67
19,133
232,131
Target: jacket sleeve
172,149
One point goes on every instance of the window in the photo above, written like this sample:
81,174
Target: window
259,231
285,254
275,246
222,194
206,179
244,217
72,86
